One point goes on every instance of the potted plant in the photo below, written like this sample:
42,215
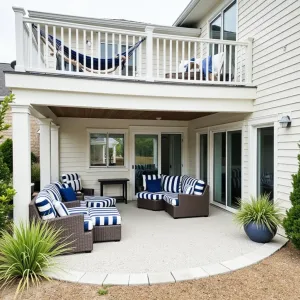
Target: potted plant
35,176
260,218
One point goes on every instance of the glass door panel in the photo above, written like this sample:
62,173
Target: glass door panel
234,168
203,157
220,167
146,157
265,161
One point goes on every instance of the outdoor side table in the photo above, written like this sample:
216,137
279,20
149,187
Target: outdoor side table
114,181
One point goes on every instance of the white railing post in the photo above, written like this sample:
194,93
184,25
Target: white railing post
19,35
149,53
249,60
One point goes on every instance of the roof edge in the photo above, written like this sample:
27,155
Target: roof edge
124,24
186,12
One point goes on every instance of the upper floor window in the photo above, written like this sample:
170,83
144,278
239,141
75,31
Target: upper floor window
224,26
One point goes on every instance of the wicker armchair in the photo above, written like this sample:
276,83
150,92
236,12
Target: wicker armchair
190,206
73,229
69,179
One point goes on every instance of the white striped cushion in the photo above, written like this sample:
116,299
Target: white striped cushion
171,183
88,223
199,187
172,199
149,177
78,210
58,184
150,196
53,191
189,190
186,182
61,209
44,205
69,176
74,184
99,201
105,216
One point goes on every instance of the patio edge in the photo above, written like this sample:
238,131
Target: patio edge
174,276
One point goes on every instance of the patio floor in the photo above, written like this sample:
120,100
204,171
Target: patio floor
155,242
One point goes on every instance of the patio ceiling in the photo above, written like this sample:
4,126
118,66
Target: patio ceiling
78,112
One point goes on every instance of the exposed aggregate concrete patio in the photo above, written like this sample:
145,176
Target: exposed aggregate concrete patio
156,248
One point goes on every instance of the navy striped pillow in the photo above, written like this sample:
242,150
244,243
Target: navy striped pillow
171,183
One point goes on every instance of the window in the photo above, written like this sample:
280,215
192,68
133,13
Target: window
106,149
265,161
203,157
223,27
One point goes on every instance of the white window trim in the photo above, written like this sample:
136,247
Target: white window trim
198,133
224,128
253,126
220,11
126,149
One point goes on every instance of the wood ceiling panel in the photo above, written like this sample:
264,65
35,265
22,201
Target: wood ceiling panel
75,112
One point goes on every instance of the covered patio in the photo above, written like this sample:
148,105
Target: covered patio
156,248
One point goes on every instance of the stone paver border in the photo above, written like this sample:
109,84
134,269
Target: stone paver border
173,276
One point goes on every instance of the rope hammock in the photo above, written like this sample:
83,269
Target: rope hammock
102,65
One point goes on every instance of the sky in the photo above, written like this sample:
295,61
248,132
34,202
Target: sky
162,12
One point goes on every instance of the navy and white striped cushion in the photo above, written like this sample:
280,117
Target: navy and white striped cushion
74,184
99,201
149,177
69,176
53,191
150,196
189,189
88,223
171,183
78,211
58,184
105,216
172,199
45,207
186,182
61,209
199,187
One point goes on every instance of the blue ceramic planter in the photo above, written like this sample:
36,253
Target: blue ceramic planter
259,233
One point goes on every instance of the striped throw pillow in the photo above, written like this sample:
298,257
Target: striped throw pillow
199,187
171,183
53,191
70,176
74,184
45,207
61,209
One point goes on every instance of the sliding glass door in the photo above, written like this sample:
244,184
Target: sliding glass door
227,168
203,157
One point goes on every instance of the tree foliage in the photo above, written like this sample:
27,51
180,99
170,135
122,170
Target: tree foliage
291,223
6,190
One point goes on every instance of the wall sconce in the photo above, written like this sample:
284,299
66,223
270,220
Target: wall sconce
89,43
285,121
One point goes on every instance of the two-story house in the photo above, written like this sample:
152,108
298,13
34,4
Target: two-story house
214,96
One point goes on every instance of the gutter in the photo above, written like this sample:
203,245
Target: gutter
115,23
186,12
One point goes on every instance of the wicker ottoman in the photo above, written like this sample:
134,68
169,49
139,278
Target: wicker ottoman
107,224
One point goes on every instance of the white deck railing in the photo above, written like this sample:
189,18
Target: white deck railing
159,58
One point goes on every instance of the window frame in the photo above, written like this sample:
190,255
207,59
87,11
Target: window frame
107,132
220,13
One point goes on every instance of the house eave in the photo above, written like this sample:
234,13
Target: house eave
186,12
111,23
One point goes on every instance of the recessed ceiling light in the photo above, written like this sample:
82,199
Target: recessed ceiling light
158,118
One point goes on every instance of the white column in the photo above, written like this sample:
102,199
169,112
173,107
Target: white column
45,151
19,35
54,153
149,52
21,161
155,152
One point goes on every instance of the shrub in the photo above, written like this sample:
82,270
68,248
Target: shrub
260,211
35,172
6,148
291,223
28,253
34,158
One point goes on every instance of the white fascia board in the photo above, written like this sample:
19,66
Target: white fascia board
120,24
186,12
126,88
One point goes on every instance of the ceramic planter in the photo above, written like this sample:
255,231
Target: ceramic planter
259,233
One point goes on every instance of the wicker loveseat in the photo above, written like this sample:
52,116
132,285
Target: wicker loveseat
72,229
181,197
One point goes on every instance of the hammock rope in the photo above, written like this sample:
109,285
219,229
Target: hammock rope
102,65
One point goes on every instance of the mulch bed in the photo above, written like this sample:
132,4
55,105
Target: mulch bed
277,277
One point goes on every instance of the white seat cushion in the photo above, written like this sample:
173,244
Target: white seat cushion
105,216
78,211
